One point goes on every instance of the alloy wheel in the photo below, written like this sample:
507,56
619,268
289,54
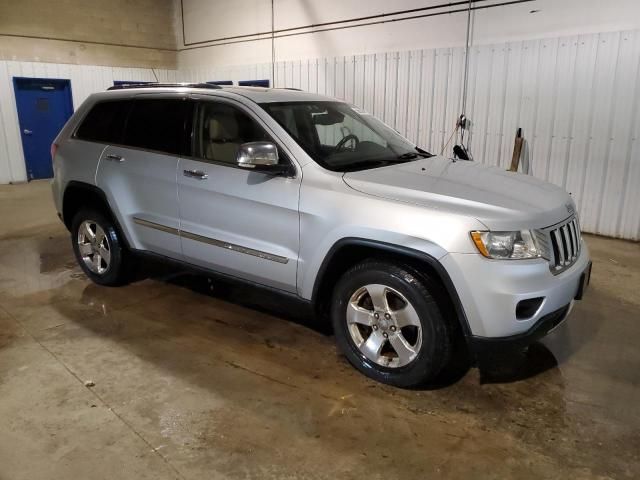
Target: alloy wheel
384,326
94,247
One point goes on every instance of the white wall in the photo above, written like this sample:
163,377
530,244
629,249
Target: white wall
85,79
568,75
577,99
205,20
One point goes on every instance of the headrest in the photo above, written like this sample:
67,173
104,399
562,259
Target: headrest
223,127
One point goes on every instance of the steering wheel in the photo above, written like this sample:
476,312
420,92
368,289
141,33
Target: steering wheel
345,140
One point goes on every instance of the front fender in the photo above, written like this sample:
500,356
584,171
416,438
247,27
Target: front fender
326,249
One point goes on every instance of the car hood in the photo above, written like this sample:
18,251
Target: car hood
499,199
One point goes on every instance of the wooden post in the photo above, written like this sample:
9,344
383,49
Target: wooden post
517,151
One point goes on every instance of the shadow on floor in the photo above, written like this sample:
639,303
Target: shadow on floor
254,297
504,367
508,367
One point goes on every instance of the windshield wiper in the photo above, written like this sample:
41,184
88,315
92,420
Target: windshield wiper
369,163
424,153
373,163
381,162
414,155
408,156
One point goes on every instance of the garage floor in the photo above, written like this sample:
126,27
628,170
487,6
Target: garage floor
230,383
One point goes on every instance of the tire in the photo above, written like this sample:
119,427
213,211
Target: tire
102,259
418,342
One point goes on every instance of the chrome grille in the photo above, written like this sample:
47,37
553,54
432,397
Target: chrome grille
563,246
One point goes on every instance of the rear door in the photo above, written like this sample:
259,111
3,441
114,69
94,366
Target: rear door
242,223
138,173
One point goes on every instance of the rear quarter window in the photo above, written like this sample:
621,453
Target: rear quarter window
104,122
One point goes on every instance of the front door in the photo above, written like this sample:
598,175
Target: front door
235,221
44,106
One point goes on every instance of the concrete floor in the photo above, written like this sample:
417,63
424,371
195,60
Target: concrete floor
232,383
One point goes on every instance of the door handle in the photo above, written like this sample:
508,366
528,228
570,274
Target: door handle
199,174
115,158
27,132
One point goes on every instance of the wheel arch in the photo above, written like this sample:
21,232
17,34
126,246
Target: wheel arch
78,195
349,251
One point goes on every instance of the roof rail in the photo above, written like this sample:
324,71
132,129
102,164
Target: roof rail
126,86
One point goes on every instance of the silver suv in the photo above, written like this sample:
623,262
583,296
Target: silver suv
409,254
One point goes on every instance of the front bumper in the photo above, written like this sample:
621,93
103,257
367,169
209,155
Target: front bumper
490,290
542,327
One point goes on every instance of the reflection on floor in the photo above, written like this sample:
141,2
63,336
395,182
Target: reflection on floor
195,379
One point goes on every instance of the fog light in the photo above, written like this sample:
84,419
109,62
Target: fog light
528,308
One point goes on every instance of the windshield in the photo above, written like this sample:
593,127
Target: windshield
342,138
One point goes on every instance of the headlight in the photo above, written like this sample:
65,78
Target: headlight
507,245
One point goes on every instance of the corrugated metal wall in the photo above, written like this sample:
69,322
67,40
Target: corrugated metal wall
84,81
576,98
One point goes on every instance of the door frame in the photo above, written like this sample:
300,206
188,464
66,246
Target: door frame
68,100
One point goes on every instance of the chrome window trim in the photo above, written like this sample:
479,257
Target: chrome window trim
211,241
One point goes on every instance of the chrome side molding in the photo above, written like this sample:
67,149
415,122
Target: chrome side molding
211,241
156,226
234,247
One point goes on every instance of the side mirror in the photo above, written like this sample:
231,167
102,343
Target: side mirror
261,157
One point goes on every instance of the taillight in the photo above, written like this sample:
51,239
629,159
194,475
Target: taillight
54,149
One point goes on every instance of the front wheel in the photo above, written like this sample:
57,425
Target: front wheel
98,248
388,324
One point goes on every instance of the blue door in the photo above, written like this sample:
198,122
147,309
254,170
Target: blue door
44,106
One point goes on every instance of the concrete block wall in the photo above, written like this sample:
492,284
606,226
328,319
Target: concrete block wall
122,33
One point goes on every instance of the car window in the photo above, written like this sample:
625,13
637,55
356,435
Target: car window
221,129
332,134
285,116
341,137
158,124
104,122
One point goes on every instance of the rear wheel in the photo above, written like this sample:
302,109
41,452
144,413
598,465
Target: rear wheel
98,248
388,324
